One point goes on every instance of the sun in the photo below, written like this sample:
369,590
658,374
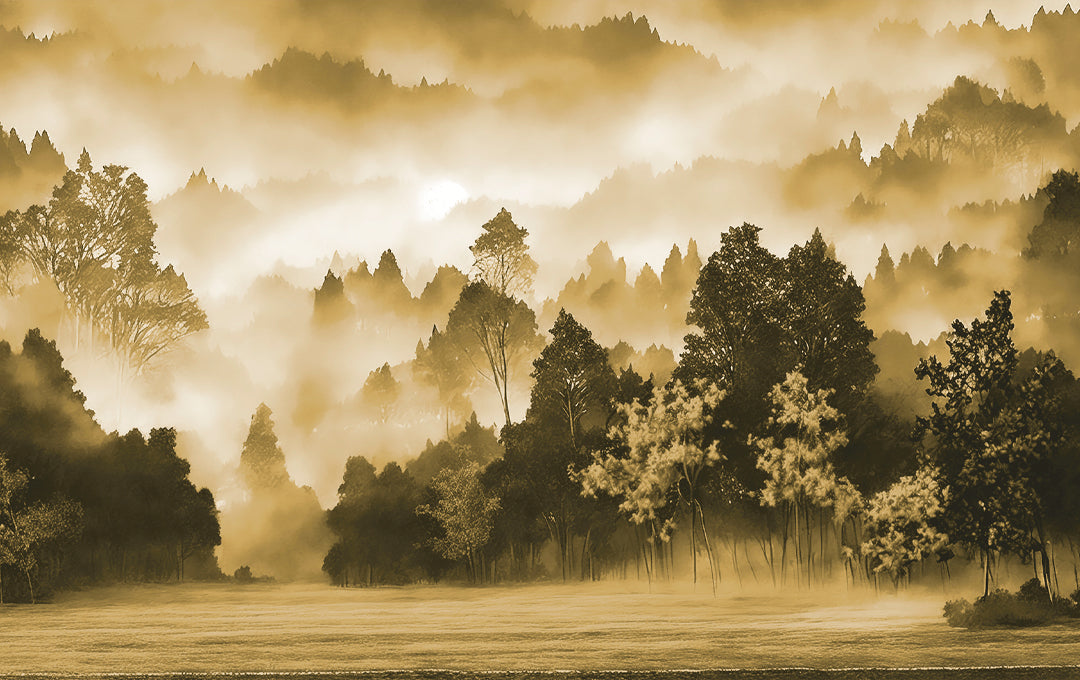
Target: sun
437,199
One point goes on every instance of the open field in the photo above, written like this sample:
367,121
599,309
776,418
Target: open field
266,628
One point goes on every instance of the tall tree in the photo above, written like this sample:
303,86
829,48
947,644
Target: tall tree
501,256
823,324
262,462
150,319
992,436
735,315
797,455
465,511
572,378
665,451
95,241
494,332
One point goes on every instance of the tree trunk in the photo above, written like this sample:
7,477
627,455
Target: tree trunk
798,546
693,542
584,549
714,569
1044,550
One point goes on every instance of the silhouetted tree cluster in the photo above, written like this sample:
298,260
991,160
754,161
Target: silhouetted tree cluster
79,506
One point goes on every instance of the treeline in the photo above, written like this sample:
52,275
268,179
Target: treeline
1044,233
760,318
78,506
971,138
770,449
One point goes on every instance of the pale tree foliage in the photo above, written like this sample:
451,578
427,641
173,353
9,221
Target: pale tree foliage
796,456
664,450
902,524
25,531
95,242
465,512
149,320
501,257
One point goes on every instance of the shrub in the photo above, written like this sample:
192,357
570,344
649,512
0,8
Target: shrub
243,575
1034,592
1029,606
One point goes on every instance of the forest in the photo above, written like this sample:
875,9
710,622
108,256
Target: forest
744,367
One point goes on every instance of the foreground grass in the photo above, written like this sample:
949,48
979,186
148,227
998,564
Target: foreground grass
214,628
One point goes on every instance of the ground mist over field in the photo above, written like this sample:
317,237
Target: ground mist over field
210,628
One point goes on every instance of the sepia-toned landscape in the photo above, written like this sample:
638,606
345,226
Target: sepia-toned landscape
414,338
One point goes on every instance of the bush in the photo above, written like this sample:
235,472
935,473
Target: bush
1034,592
243,575
1029,606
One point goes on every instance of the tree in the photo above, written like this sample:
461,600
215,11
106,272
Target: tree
501,257
796,455
664,450
389,284
736,339
1058,234
262,462
823,323
95,241
151,318
903,524
735,315
380,392
572,377
442,365
331,304
992,437
465,511
494,332
26,530
885,271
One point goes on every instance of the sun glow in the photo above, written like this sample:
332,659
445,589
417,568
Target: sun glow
437,199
